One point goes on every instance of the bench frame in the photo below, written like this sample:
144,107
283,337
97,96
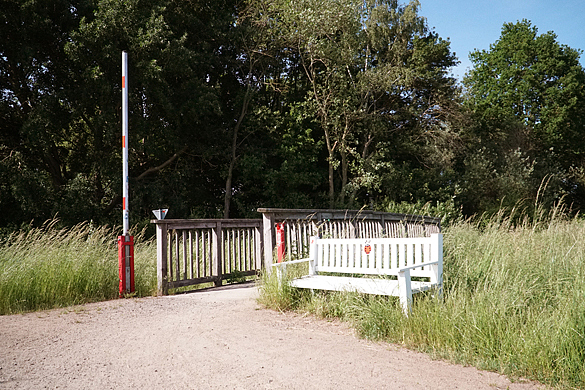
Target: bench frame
374,260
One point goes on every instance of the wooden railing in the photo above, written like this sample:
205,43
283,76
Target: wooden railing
195,251
300,225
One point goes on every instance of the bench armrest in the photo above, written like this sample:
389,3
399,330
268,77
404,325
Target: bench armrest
409,267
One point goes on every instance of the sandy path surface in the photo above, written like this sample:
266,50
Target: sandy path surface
216,339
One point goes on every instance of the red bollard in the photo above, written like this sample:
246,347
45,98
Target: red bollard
280,241
126,264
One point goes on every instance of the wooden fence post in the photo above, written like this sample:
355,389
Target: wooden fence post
258,248
161,258
217,254
268,225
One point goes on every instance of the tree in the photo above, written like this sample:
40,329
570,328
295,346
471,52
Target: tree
376,84
527,96
35,129
61,103
233,105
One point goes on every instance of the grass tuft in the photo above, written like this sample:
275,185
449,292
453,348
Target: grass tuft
49,267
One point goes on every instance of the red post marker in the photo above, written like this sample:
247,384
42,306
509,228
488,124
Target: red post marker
126,264
280,241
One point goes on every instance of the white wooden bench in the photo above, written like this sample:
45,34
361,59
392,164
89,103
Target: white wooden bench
373,261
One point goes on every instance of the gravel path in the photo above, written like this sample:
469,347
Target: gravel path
214,339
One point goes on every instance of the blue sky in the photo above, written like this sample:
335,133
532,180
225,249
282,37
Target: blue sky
475,24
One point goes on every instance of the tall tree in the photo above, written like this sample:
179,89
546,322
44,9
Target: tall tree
527,95
35,133
377,81
61,105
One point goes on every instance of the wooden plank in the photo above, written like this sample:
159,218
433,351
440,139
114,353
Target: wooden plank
190,254
240,273
218,266
240,250
184,238
176,259
387,256
203,258
161,259
171,268
191,282
342,215
238,253
268,228
227,247
258,247
361,285
196,255
249,249
409,254
343,257
204,222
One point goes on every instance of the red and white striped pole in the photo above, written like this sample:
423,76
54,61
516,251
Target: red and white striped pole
125,217
125,241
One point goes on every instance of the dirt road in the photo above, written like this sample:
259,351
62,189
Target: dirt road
216,339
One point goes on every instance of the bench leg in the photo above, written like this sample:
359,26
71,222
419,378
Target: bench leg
437,269
405,291
437,280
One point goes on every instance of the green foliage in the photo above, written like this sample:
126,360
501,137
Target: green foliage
60,144
376,86
512,300
526,100
236,277
310,104
448,212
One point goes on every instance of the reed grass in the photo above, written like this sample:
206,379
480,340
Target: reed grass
52,267
514,293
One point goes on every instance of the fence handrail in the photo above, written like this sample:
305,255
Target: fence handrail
356,223
321,214
206,223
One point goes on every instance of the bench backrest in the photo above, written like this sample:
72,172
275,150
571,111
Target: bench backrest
380,256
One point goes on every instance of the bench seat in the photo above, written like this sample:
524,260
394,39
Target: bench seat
360,285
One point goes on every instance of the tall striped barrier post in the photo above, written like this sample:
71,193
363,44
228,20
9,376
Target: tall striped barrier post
125,241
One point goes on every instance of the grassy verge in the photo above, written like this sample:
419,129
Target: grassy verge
50,267
513,302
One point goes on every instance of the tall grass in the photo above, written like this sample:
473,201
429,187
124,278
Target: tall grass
50,267
514,301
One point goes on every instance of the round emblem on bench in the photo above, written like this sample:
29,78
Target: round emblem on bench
367,249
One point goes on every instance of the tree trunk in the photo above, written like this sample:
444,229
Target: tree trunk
330,150
344,167
234,157
331,183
